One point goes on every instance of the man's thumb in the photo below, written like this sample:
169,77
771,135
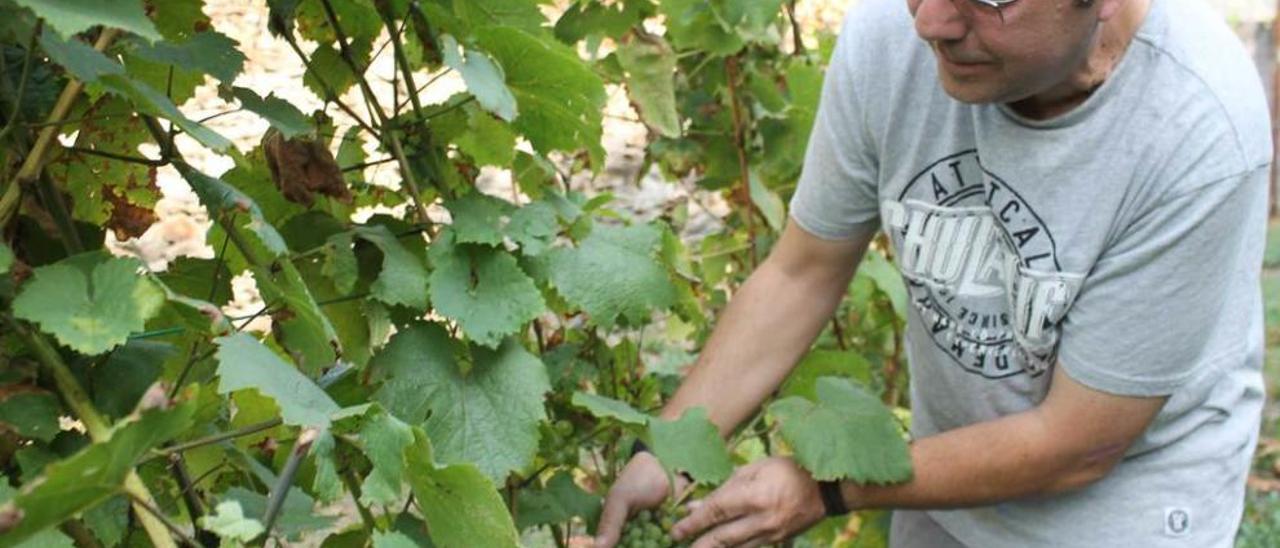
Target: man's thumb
612,518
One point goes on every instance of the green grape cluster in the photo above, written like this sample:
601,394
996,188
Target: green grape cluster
559,444
650,529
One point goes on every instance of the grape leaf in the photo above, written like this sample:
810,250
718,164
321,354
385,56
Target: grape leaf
521,14
651,68
77,483
106,191
609,408
768,202
803,380
488,140
461,506
328,72
561,99
326,484
488,416
129,371
695,25
31,413
223,199
887,278
109,520
483,77
483,289
403,279
534,227
90,311
384,439
152,102
296,518
81,60
613,273
70,17
595,19
560,500
846,434
691,444
209,52
276,111
245,363
478,218
229,523
6,258
392,539
178,19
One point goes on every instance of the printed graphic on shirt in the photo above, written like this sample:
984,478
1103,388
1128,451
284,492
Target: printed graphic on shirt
981,268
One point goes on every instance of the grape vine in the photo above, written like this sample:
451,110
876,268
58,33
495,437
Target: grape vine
444,365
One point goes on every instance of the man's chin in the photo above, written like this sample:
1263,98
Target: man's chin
971,92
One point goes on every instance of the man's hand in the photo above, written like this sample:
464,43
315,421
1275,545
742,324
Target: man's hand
764,502
641,485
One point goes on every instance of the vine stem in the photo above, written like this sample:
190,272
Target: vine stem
740,143
210,440
34,162
80,403
330,94
22,82
797,40
370,100
280,491
352,484
120,157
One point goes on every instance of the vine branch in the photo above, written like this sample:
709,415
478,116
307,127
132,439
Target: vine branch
96,426
34,162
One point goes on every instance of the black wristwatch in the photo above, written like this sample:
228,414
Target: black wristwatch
639,446
832,498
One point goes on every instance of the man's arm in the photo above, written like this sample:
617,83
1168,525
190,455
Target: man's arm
769,323
1073,438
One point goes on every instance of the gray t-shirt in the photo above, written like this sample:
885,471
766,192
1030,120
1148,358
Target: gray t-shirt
1122,239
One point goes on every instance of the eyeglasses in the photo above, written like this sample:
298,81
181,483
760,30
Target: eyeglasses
997,5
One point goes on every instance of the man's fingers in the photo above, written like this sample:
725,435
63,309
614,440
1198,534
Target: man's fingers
722,505
739,532
612,518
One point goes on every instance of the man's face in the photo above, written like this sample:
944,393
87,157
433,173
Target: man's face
982,58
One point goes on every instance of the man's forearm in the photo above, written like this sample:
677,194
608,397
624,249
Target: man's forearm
768,325
985,463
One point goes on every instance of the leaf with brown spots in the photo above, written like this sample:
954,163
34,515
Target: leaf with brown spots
107,191
302,168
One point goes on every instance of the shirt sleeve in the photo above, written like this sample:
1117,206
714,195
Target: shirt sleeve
1172,295
836,196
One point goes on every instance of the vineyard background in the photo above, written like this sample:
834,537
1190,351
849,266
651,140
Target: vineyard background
710,223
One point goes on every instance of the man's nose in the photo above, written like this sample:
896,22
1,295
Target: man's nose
940,20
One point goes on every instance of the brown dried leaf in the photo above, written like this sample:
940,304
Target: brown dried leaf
302,168
128,220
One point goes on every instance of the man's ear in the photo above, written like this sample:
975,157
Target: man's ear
1109,8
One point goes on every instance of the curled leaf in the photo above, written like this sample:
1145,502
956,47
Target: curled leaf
302,168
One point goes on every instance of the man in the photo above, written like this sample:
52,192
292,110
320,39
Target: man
1075,192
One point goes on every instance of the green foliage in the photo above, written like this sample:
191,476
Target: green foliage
279,113
92,475
495,365
229,523
486,415
90,304
691,444
846,434
614,274
71,17
244,363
